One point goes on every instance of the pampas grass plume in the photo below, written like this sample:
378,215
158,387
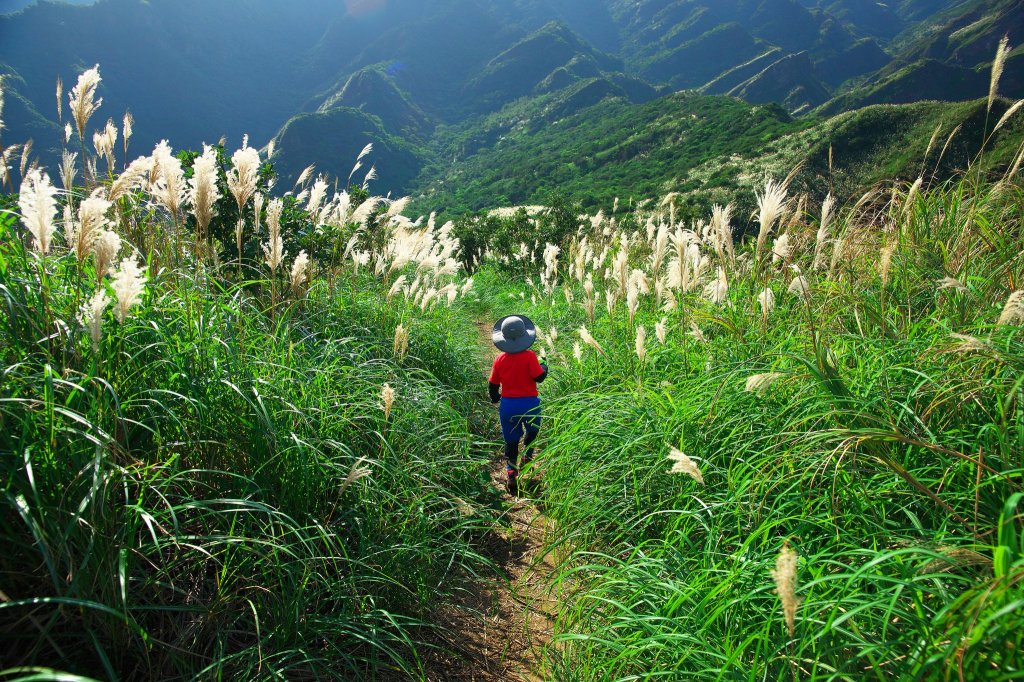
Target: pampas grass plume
586,337
401,341
299,273
759,383
1013,310
684,465
105,247
641,343
128,282
38,204
767,300
387,397
800,287
92,219
91,315
784,575
997,69
83,98
771,206
202,189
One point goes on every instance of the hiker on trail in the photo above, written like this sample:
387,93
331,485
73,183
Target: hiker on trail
513,381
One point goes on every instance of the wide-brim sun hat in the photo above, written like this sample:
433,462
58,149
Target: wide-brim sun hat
514,333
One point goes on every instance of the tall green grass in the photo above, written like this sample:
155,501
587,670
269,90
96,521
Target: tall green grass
214,492
887,453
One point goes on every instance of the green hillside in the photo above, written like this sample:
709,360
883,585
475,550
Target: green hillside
707,148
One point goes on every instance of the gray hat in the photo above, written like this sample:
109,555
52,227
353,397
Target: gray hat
514,333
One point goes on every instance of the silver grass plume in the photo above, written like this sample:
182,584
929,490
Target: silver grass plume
1007,114
60,99
827,207
128,283
767,300
317,193
258,201
68,170
641,343
92,220
800,287
401,346
950,283
1002,51
105,247
68,132
135,176
782,250
759,383
359,162
83,99
202,189
356,472
720,217
589,340
304,176
242,178
104,142
243,175
661,330
784,576
129,122
771,207
274,248
387,397
91,315
38,204
885,263
1013,310
26,154
299,274
169,186
684,465
717,291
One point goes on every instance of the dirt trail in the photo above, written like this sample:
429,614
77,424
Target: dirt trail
502,627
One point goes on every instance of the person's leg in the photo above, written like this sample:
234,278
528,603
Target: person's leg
531,435
511,432
511,454
532,426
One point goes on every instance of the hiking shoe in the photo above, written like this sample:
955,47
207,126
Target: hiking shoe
513,480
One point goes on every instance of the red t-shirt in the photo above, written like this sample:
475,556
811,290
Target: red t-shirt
517,374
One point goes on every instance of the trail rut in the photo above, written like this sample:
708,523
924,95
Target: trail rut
501,627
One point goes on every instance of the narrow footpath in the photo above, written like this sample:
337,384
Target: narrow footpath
502,627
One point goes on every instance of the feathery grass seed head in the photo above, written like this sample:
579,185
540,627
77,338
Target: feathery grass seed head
784,575
38,204
128,283
1013,309
684,465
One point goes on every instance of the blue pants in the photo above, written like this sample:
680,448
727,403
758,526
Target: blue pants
519,416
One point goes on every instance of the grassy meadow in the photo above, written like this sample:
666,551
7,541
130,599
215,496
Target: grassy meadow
243,434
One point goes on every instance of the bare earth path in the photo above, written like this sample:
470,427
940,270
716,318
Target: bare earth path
502,627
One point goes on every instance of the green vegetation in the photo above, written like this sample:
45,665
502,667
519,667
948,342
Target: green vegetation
240,471
242,436
866,414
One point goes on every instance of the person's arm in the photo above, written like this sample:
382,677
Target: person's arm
539,371
495,392
543,374
494,382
